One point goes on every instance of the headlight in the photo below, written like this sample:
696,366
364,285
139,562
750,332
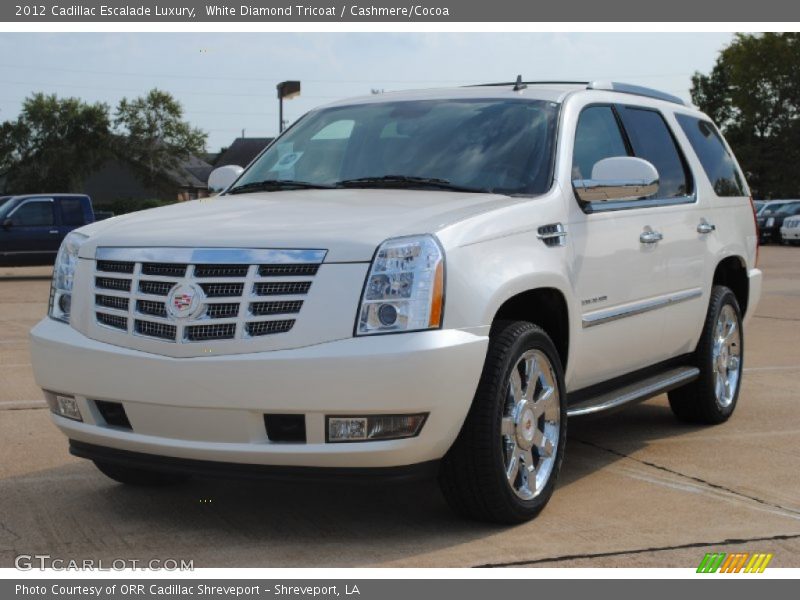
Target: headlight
405,287
770,222
63,274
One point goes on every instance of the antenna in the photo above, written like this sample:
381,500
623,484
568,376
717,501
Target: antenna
519,85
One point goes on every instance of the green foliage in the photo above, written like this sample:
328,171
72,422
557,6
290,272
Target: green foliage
53,144
153,133
753,94
56,143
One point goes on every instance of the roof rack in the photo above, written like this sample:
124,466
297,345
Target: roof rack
610,86
636,90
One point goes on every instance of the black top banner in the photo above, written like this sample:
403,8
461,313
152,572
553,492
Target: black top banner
186,11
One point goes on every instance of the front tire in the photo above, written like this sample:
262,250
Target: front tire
138,477
505,462
712,397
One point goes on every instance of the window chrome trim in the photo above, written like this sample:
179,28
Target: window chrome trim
250,256
621,312
601,206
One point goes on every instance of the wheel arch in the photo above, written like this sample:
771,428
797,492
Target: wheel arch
731,272
547,307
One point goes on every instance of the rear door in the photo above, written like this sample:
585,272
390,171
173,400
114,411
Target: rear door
681,217
73,213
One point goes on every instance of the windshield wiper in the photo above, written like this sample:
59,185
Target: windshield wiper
275,185
408,181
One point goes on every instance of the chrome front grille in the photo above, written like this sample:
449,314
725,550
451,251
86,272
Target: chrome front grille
181,295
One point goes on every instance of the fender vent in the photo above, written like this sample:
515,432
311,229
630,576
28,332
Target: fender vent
552,235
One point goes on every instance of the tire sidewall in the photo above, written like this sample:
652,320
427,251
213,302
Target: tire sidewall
726,298
531,339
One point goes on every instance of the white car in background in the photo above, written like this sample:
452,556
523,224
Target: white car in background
790,230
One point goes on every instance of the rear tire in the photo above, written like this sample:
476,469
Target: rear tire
504,464
712,397
139,477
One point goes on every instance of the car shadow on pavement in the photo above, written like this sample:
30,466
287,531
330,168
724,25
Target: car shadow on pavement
73,510
614,436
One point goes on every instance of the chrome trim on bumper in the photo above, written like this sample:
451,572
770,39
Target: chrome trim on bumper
616,313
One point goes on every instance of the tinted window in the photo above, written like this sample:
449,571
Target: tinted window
717,162
501,145
33,214
72,211
597,137
652,141
790,209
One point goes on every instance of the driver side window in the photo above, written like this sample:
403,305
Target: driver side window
34,214
597,136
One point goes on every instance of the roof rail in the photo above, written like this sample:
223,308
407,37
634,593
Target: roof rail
611,86
554,82
637,90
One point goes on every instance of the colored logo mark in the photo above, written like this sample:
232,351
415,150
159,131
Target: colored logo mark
741,562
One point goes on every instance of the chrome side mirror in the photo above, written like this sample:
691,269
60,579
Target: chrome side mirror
222,177
618,178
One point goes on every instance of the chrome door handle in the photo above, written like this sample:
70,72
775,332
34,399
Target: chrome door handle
705,227
650,236
54,231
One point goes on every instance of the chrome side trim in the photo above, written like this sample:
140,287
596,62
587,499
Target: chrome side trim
636,392
620,312
252,256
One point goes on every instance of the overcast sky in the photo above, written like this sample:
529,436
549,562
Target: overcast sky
226,82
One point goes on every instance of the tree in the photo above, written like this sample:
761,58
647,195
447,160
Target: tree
153,134
53,145
753,94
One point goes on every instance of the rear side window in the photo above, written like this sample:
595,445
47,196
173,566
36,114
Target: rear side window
597,137
71,211
652,140
713,155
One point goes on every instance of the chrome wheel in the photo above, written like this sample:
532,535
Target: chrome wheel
726,356
530,426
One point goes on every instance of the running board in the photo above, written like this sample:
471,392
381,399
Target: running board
635,392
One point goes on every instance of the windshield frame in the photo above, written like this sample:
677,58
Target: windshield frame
554,143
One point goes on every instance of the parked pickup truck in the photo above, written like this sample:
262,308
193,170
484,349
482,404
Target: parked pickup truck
32,227
412,283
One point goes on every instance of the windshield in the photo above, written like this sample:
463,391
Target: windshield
5,205
501,146
789,208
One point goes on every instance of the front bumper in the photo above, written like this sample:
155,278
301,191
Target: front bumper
211,408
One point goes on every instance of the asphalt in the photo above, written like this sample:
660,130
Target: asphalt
638,488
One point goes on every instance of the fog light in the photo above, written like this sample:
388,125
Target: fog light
67,407
374,427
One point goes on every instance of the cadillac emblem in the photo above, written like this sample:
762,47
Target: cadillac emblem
184,300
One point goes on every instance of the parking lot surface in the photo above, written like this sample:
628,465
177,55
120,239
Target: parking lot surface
637,488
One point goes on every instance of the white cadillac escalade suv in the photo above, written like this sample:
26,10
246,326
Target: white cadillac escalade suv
411,283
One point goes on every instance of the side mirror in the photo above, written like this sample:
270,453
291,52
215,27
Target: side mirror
222,177
8,223
618,178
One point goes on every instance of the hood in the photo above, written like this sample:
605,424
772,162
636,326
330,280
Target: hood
349,223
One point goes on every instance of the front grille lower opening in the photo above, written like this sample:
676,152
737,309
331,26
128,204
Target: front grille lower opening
286,428
113,414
